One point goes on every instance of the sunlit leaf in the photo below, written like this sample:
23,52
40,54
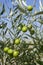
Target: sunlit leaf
40,7
38,13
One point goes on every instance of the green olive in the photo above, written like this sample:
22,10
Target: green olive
19,28
10,51
32,31
30,26
24,28
6,49
17,41
15,53
29,8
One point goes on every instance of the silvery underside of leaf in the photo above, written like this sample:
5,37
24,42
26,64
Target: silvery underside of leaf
40,5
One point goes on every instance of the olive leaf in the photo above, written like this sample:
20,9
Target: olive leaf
20,6
3,25
3,10
38,13
40,62
1,44
17,18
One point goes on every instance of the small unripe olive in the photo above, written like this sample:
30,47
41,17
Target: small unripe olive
6,49
10,51
15,53
24,28
17,41
32,31
30,26
19,28
29,8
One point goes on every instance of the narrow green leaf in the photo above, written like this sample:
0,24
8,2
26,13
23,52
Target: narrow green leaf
38,13
3,10
17,17
3,25
40,62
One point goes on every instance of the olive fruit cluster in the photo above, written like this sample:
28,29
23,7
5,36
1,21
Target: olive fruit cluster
15,53
31,29
22,28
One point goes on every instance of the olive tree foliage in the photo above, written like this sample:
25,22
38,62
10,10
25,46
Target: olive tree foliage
31,45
